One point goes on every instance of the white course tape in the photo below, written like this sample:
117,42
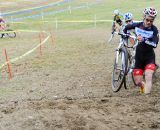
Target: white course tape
1,32
36,31
25,54
27,9
66,21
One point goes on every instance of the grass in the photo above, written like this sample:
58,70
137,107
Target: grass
103,11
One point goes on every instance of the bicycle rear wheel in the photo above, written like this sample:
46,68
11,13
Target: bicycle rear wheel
11,34
130,76
119,69
133,79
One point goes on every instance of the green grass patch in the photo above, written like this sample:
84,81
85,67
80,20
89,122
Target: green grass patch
102,10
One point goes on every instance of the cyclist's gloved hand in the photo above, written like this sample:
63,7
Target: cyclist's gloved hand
141,39
144,39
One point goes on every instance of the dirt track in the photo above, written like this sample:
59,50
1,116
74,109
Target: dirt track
69,88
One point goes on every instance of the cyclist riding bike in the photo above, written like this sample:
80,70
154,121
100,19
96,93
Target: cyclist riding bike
128,18
117,20
2,23
148,37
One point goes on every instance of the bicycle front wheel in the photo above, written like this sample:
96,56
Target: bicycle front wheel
119,69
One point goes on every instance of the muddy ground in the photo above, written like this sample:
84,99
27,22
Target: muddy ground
68,87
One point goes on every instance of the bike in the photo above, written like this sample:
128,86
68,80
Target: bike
6,32
124,62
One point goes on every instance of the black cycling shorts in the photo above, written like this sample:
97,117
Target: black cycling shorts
143,59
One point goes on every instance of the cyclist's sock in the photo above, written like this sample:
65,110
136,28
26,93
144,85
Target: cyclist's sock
148,87
142,88
148,84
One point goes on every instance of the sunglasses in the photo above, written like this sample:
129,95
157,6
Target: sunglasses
149,20
128,21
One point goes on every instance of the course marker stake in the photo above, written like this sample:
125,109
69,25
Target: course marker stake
8,65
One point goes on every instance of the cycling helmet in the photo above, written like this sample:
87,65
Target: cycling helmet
150,11
128,16
116,12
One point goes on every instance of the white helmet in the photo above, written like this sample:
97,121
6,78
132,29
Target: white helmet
128,16
116,12
150,11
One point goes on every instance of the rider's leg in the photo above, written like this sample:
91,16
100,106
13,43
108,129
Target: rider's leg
149,70
148,81
138,76
131,41
138,80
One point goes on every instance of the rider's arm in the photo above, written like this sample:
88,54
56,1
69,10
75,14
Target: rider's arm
130,26
155,39
114,24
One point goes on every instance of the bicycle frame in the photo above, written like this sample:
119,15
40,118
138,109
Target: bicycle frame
5,31
132,56
121,44
124,62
